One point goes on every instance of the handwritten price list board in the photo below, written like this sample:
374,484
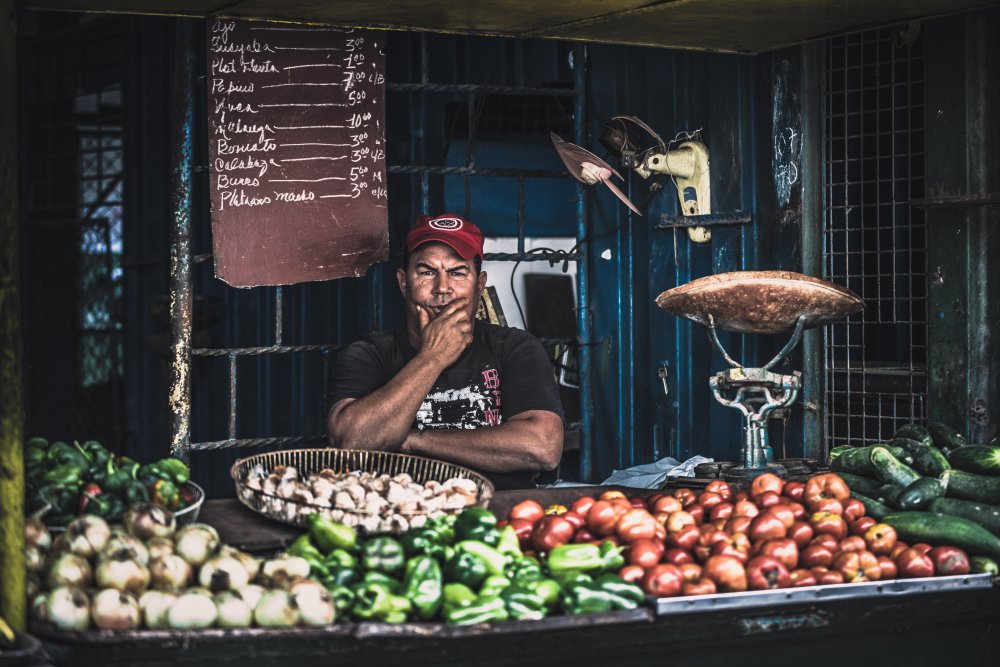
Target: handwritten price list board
297,151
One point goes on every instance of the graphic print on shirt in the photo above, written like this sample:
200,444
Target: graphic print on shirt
467,408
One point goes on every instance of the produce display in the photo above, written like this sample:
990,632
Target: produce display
65,480
932,487
148,573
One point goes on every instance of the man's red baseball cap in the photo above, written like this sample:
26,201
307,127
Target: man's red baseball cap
453,230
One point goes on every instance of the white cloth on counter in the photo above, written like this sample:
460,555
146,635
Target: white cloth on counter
646,476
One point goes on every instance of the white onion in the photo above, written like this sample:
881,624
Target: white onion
119,571
68,608
234,612
70,570
223,573
159,546
123,541
196,543
192,610
251,564
276,610
155,605
285,568
34,558
38,608
147,520
113,609
313,602
170,573
251,594
87,535
37,533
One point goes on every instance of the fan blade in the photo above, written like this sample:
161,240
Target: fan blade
621,195
574,157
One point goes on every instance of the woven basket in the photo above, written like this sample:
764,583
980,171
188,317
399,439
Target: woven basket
308,461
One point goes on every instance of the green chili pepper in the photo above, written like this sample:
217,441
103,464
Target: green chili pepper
394,585
340,558
495,561
476,523
485,609
566,557
523,603
585,598
494,585
372,601
465,568
384,554
623,594
302,546
329,534
423,585
457,595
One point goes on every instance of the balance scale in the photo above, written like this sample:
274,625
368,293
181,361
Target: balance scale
758,302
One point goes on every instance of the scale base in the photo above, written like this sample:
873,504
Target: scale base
739,474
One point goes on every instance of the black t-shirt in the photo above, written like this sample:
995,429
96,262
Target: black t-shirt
502,373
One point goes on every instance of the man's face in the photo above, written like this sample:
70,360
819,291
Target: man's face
436,276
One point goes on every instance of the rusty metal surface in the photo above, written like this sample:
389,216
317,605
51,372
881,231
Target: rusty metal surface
768,302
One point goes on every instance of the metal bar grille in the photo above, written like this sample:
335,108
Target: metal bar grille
874,237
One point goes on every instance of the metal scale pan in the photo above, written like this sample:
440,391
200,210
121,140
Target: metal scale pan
760,302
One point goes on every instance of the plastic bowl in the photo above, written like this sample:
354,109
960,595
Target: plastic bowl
26,650
190,513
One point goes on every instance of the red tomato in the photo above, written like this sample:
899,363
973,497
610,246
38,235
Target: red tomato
816,555
550,531
679,520
621,504
913,563
709,499
826,485
667,504
828,541
677,556
853,509
861,525
708,537
888,567
825,576
801,577
582,505
880,539
697,512
685,538
636,524
644,553
794,490
768,482
766,573
574,519
922,547
612,493
827,505
732,549
687,497
738,524
523,529
785,513
746,508
720,487
526,509
767,499
829,524
766,526
721,511
784,550
690,571
663,580
660,532
633,574
637,502
727,572
801,533
703,586
949,560
602,517
798,510
740,495
900,547
853,543
583,536
857,566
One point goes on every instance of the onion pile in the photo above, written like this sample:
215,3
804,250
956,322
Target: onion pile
148,573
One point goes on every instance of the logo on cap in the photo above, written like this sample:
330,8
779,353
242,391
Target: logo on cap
445,224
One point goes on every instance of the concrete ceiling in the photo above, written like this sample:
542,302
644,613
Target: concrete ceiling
733,26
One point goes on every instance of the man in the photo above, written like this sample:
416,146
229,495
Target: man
448,386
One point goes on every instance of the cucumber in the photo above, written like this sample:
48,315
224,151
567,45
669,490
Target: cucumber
945,437
971,486
987,516
889,494
890,469
838,450
915,432
983,564
980,459
873,508
919,494
944,529
864,485
858,461
927,459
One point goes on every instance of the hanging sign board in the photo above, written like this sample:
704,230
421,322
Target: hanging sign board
296,133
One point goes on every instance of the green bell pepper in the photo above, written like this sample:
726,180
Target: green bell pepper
301,546
494,585
495,561
34,457
165,494
476,523
329,534
623,594
400,608
611,556
423,585
484,609
508,544
177,469
384,554
571,577
548,589
465,568
443,525
60,454
375,577
585,598
37,443
423,541
524,603
341,558
372,601
579,557
525,569
457,595
66,474
134,493
343,599
340,576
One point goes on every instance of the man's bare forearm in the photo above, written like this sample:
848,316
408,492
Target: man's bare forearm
383,418
529,441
